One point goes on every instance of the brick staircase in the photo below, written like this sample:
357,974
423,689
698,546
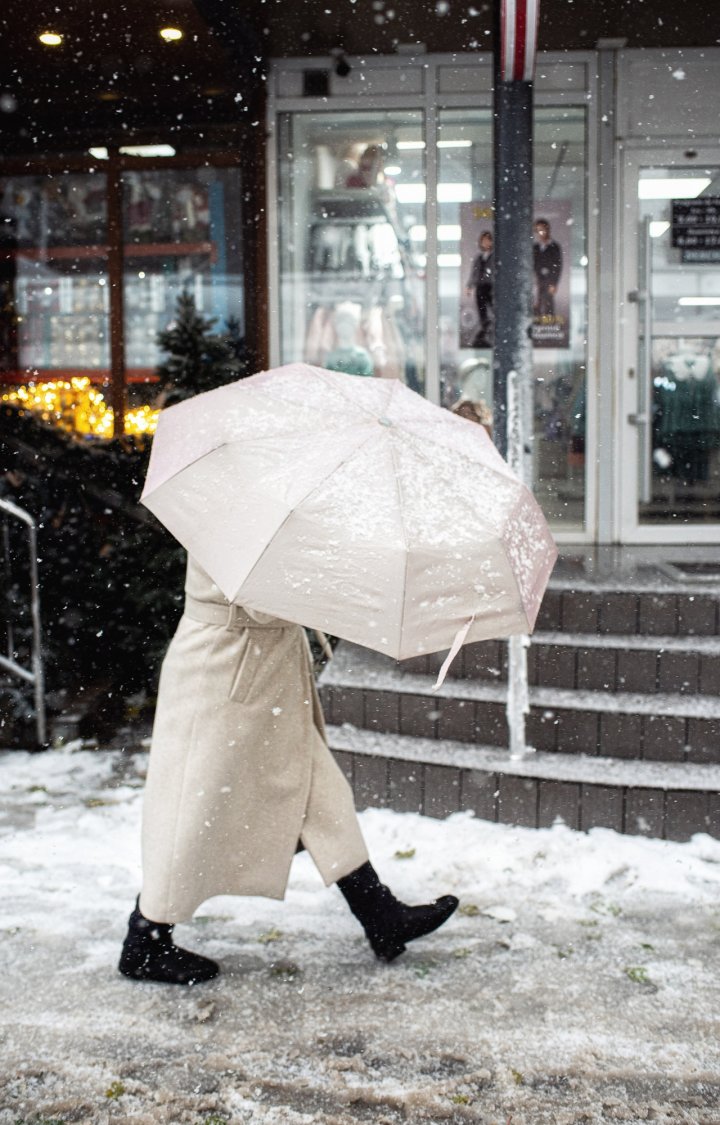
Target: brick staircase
624,717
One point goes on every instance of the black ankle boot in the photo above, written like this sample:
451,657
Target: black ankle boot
149,953
388,923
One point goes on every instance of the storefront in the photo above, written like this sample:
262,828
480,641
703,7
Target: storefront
377,218
380,185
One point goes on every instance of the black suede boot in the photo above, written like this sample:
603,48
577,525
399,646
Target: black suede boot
388,923
149,953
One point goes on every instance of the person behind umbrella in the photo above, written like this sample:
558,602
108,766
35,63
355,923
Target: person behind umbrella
240,778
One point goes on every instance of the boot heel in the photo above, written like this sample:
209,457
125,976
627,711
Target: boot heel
387,950
149,953
388,923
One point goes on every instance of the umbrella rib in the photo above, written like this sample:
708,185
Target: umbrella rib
319,372
372,411
316,486
396,467
421,447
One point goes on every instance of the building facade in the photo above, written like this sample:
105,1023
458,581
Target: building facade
358,234
379,205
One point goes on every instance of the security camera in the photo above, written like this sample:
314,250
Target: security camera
342,66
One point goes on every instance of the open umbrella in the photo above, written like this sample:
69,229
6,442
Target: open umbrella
354,506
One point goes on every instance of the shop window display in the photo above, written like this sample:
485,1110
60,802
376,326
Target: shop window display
685,430
54,311
351,264
181,233
559,315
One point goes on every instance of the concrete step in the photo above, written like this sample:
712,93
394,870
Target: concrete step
375,693
659,609
441,777
592,662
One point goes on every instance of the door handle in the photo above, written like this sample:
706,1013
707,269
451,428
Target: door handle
638,419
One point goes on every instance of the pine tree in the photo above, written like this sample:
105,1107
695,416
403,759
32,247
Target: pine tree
198,360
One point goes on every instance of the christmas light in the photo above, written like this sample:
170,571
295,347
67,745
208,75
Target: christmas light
77,407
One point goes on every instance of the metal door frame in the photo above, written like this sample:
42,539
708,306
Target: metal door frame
630,314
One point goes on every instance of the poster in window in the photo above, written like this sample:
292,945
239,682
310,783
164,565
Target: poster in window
552,223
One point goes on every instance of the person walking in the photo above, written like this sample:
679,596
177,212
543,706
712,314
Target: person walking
240,777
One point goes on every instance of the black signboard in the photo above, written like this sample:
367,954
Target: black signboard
696,228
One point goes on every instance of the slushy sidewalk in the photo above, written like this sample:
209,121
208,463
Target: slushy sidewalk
580,981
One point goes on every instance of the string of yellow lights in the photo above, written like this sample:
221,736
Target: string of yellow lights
77,407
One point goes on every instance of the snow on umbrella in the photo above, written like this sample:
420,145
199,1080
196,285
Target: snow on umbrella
354,506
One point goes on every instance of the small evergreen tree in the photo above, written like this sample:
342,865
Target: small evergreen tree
198,360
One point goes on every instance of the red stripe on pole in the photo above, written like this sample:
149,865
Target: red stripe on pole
518,39
519,61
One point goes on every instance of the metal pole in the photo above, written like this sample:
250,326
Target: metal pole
36,657
512,353
513,106
36,676
116,261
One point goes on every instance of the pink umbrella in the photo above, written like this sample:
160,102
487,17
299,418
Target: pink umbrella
354,506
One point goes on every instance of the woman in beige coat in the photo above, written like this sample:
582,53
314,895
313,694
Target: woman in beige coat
240,778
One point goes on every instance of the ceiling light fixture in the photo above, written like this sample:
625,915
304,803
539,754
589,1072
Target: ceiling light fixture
699,301
50,38
672,187
147,150
658,227
171,34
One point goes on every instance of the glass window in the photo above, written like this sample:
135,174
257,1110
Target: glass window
53,277
182,233
466,312
352,243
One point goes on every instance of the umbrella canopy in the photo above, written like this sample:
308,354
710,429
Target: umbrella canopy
351,505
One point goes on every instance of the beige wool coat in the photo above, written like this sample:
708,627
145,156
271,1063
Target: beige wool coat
239,769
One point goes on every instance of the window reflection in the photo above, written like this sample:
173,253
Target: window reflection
182,233
53,279
465,284
352,241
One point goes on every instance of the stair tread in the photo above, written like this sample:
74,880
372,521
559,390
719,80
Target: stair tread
579,768
633,584
354,667
707,646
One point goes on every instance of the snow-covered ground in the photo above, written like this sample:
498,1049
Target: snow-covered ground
580,982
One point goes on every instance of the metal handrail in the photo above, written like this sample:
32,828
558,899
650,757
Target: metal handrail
35,675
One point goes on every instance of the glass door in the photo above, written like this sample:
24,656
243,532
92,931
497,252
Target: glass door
671,340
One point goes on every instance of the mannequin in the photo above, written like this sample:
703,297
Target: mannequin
348,355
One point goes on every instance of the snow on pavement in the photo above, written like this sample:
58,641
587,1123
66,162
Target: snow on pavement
579,982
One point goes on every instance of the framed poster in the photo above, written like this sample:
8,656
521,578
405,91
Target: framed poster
551,274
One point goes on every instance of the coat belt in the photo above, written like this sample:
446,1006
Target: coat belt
226,614
235,617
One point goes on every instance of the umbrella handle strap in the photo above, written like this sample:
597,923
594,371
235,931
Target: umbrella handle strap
454,650
324,643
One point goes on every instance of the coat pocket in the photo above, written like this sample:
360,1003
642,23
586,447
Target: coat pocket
245,674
